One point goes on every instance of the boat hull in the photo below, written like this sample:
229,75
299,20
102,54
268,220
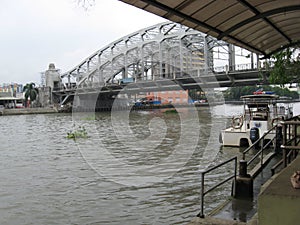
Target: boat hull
238,138
235,138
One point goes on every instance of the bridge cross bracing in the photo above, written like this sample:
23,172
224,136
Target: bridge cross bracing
166,48
163,51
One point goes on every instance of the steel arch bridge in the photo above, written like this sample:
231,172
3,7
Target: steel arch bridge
148,54
163,51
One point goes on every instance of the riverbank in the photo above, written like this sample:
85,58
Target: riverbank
25,111
240,102
277,204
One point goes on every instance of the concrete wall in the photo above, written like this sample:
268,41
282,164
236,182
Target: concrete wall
279,202
44,97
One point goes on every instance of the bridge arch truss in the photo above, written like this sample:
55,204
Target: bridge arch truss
165,50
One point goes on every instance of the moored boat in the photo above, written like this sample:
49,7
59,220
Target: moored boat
261,113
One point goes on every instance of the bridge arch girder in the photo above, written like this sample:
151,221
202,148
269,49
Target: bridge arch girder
159,49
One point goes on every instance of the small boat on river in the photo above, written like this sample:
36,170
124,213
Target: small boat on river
261,113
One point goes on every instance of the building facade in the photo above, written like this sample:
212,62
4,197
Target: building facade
179,97
15,89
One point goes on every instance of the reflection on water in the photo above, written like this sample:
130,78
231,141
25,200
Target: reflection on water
45,179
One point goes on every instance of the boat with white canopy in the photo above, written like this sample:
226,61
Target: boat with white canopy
261,112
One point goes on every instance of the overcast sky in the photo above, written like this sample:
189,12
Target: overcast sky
35,33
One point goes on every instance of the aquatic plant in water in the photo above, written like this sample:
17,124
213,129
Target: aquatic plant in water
79,133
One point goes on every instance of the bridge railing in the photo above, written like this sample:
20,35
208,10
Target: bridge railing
242,67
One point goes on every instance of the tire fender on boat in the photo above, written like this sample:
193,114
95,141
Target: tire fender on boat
237,122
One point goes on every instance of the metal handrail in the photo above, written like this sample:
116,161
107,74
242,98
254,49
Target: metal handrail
260,152
290,138
203,192
257,141
293,136
279,163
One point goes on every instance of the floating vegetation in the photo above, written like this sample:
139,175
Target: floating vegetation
171,111
79,133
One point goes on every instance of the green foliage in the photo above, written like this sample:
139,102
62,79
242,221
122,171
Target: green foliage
30,91
196,94
286,70
235,93
79,133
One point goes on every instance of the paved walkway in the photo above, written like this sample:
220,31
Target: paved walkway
214,221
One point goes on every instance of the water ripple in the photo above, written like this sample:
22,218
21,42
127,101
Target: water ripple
45,180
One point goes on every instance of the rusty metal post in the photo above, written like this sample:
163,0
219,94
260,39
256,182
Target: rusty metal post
284,158
262,152
295,141
201,215
284,141
278,138
243,168
290,133
244,182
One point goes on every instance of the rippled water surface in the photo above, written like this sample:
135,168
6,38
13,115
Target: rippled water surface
46,178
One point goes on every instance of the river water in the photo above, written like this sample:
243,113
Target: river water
134,168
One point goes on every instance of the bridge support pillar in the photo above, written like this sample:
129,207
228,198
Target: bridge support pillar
244,182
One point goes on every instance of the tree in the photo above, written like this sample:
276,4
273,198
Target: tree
235,93
286,68
31,92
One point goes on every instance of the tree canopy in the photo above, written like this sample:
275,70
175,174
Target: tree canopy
235,93
286,69
31,92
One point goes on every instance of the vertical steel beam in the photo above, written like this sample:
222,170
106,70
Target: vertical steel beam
206,56
142,64
231,59
181,57
88,65
160,59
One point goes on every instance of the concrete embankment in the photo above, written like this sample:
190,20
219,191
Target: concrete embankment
214,221
25,111
278,202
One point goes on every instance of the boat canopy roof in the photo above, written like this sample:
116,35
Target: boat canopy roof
260,96
259,100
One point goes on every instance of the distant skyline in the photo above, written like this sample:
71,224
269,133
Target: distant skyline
36,33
